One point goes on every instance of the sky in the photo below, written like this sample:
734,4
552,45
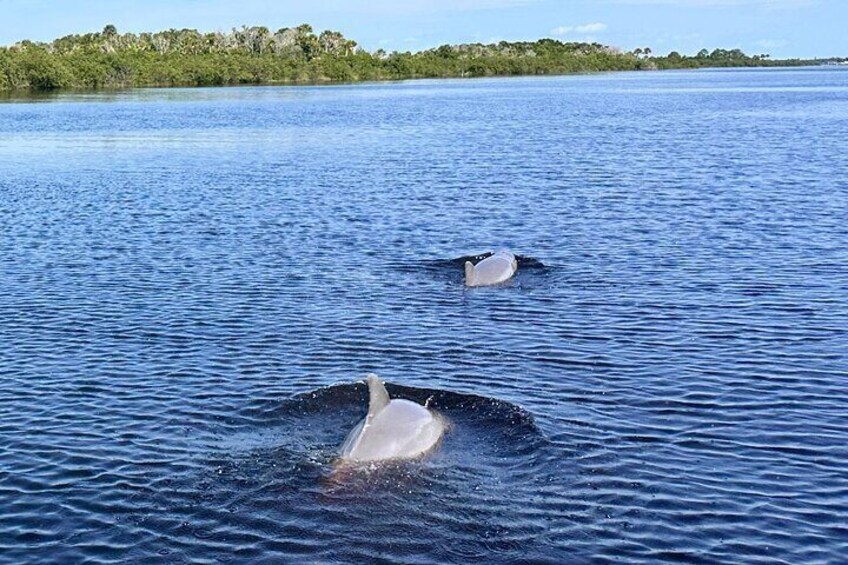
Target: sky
781,28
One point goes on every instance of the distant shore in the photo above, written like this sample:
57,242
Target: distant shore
297,56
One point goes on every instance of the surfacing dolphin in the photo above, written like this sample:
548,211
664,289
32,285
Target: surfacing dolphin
494,269
393,429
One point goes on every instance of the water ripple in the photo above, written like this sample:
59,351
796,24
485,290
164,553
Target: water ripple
194,280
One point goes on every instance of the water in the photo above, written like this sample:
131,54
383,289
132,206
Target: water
195,281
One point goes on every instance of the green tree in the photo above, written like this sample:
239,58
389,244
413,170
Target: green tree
254,54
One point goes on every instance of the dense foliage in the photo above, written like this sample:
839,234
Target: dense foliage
722,58
254,55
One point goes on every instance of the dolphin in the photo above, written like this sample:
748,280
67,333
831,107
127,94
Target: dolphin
393,429
494,269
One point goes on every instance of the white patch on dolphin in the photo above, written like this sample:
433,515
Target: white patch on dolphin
393,429
494,269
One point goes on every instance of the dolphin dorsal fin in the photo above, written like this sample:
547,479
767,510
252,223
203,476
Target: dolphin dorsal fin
469,273
377,395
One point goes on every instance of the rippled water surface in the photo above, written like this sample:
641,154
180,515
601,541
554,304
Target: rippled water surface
194,282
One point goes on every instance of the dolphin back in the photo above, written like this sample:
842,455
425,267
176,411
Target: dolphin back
402,430
495,269
393,429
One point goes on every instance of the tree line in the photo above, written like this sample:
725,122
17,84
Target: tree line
257,55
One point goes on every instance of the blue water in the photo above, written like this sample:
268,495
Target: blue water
194,281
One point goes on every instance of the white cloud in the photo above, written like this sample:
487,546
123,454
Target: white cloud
595,27
591,28
771,43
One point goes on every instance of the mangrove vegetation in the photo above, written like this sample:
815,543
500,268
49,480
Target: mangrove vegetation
257,55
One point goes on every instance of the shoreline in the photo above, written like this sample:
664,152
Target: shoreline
299,56
24,94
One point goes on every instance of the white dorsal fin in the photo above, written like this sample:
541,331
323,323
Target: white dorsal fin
469,273
377,395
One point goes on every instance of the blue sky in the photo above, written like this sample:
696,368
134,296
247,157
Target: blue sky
783,28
